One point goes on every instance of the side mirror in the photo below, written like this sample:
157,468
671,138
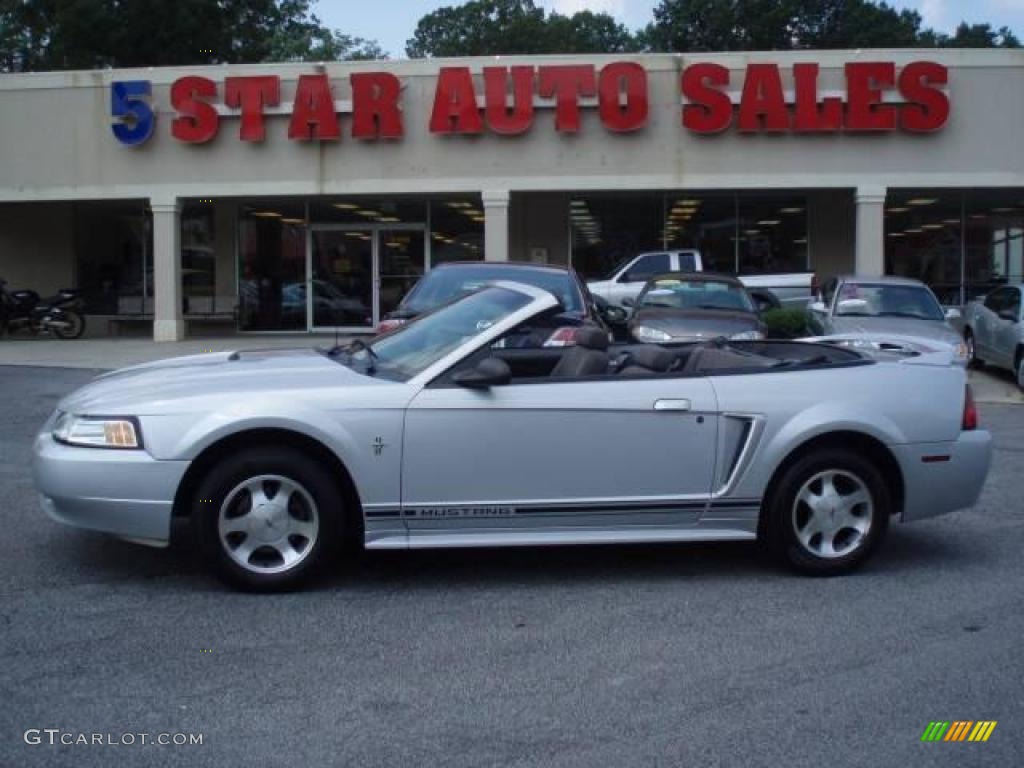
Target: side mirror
615,315
1008,314
952,313
818,307
629,301
489,372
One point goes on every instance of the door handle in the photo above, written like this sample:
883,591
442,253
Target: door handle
672,405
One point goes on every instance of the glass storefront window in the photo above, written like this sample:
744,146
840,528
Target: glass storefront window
745,233
706,223
609,228
456,229
272,266
962,243
772,234
198,257
113,254
356,210
923,239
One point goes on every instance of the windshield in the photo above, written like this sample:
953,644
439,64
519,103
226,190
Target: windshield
882,300
695,294
445,284
413,348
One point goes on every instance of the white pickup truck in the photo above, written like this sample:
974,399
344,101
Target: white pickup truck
792,289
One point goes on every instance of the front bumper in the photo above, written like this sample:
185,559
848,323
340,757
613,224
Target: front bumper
127,493
943,477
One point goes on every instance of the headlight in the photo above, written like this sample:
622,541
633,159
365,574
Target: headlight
650,335
747,336
97,431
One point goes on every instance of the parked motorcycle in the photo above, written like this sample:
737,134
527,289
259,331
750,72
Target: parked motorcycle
60,315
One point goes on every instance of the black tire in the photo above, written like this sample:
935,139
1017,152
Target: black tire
784,516
1018,368
973,361
328,512
77,328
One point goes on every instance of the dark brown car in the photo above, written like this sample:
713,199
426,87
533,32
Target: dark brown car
690,306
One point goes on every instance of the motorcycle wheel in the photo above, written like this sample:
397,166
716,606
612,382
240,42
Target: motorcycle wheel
76,326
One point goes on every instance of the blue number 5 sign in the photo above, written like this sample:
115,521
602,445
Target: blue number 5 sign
129,103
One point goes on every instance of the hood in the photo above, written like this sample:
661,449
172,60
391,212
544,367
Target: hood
696,323
163,386
907,327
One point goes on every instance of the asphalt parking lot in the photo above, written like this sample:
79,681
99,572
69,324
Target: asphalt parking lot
618,656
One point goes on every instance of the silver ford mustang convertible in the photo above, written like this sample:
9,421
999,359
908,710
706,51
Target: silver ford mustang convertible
443,434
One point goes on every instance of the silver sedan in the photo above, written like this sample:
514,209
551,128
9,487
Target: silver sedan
440,435
893,307
994,330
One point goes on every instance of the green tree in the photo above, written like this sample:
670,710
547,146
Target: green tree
85,34
980,36
492,27
744,25
588,32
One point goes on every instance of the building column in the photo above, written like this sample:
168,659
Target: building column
496,231
168,324
870,237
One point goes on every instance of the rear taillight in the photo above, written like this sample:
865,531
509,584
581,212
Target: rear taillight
563,337
389,325
970,420
815,287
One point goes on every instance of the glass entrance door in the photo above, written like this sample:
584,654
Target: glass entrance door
358,275
342,279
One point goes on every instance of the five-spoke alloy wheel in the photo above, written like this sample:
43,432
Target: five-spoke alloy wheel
268,518
828,512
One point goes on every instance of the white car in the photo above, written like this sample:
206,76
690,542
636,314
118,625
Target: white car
994,330
629,277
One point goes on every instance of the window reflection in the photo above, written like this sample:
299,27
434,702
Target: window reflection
748,233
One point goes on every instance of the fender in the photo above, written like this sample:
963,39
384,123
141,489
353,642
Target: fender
818,420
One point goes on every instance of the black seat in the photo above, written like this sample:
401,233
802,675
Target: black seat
588,357
648,360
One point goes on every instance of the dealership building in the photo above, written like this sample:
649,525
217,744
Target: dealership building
310,197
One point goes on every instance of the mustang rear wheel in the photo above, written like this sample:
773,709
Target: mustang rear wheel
267,518
828,513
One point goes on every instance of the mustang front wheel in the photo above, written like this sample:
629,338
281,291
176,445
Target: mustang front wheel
828,513
267,518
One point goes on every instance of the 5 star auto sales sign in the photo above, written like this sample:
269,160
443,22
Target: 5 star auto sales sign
878,97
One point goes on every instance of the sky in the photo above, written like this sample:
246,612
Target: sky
391,22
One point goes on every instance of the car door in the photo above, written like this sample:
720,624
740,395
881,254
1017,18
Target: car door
1004,332
988,322
555,453
630,281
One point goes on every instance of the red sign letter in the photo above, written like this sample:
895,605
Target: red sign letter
375,112
252,94
567,83
455,107
498,117
864,85
928,109
313,115
762,96
709,110
809,116
615,116
197,120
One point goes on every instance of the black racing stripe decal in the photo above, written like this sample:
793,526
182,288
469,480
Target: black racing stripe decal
379,513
